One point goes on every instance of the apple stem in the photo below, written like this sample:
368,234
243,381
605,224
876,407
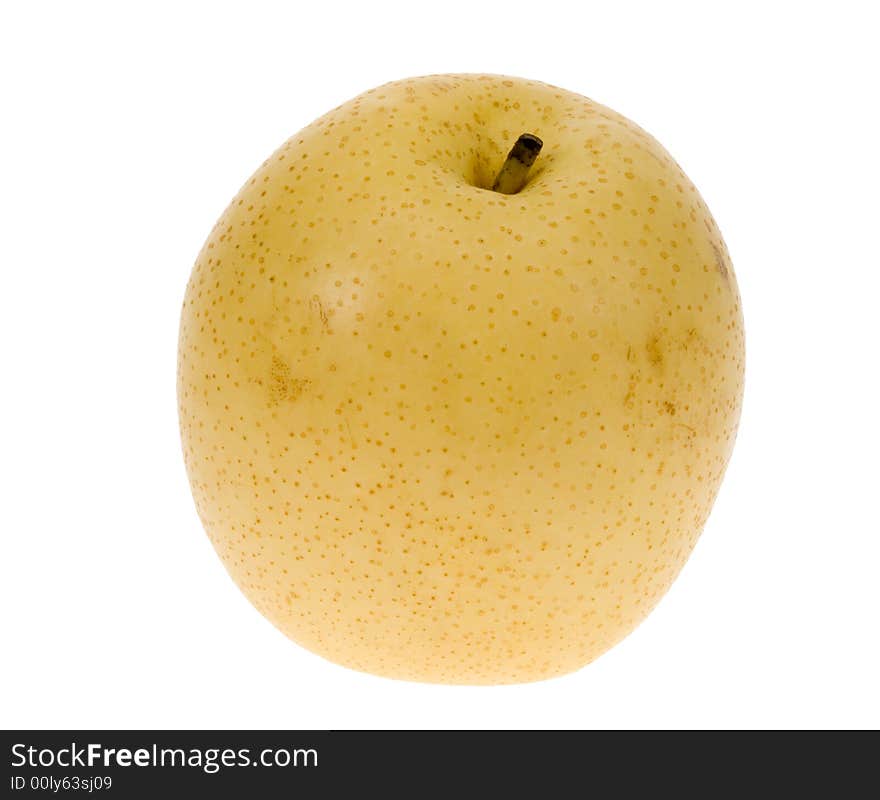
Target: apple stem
515,172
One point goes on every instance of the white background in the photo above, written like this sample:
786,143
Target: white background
126,132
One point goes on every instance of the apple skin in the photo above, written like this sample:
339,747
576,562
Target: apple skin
442,434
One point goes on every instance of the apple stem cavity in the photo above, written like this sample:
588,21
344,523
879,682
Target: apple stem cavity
515,172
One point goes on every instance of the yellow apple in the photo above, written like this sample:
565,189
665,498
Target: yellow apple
441,432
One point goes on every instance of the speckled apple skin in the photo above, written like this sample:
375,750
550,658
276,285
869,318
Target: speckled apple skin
442,434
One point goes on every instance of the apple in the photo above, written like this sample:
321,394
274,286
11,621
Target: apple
454,405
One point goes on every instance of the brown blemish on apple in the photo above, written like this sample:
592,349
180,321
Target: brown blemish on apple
283,387
318,307
721,263
633,380
655,352
688,431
